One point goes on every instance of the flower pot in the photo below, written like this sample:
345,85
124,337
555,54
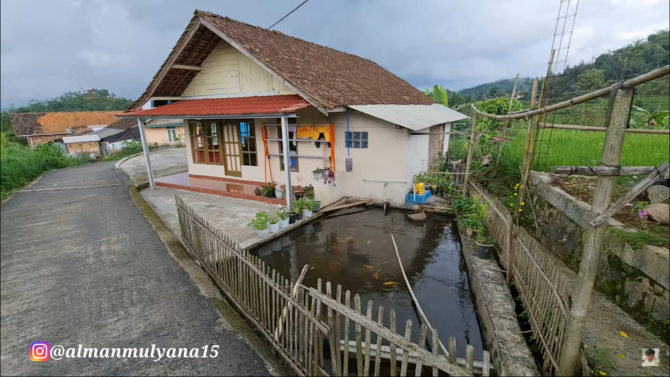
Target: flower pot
279,194
306,213
299,195
263,232
300,214
318,176
292,219
283,224
274,228
483,251
257,191
318,206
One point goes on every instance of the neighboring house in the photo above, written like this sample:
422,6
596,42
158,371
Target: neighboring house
158,131
246,94
41,128
85,144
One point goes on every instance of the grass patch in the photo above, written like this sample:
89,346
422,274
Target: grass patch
19,165
129,148
638,239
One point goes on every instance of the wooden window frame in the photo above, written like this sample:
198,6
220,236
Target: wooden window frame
205,136
247,141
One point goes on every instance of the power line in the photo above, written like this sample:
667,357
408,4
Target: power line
289,13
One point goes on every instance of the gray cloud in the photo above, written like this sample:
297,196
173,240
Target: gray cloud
68,45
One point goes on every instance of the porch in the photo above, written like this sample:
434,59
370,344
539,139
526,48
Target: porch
232,188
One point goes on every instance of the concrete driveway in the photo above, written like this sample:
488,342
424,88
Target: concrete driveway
82,266
163,162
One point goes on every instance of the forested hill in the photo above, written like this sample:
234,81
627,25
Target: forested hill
633,60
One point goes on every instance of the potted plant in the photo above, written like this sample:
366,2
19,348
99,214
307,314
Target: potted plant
318,173
284,217
308,209
268,189
298,193
274,224
279,192
309,194
258,191
298,206
328,176
484,245
260,223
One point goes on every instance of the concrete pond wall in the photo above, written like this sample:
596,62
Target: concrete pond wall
637,280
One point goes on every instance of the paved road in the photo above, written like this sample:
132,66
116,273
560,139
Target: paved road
83,266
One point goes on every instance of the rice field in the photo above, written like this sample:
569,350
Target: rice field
573,148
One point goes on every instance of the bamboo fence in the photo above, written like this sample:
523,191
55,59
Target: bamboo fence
318,323
535,277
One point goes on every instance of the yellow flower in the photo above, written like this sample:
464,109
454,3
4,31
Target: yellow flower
521,186
511,205
586,346
620,356
519,209
623,334
515,194
523,203
511,196
602,373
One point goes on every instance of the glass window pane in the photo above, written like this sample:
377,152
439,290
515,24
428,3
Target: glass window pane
199,142
252,145
214,130
356,144
355,136
198,129
254,161
364,144
364,135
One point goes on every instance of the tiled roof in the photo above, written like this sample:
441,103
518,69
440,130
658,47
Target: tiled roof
329,77
54,123
226,106
123,124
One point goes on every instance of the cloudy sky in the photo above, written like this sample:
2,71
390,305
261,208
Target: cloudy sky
49,47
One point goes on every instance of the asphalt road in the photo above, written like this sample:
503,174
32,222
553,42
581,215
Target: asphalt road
83,266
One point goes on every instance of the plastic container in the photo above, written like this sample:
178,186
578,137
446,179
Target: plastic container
411,198
420,188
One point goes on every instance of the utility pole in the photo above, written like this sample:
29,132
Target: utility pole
588,268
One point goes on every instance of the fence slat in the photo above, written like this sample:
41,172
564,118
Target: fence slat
422,344
392,345
357,329
434,346
469,358
405,353
380,320
368,340
345,362
486,360
332,337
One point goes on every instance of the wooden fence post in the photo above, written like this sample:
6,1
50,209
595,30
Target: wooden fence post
588,268
508,247
527,156
471,149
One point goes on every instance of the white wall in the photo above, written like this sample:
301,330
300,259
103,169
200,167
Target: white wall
417,154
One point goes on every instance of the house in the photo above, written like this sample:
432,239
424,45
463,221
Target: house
259,106
158,132
41,128
88,144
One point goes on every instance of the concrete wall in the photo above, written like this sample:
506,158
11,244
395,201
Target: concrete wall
159,135
92,147
228,72
636,280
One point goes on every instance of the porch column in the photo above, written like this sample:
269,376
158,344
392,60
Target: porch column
145,148
287,160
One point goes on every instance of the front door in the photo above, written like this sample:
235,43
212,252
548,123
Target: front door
232,148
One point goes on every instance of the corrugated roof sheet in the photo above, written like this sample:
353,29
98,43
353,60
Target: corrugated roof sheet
81,139
414,117
225,106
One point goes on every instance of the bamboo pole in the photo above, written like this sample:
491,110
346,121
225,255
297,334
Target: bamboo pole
604,170
471,148
583,98
588,268
294,295
525,166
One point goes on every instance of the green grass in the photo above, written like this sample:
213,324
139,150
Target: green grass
573,148
638,239
19,165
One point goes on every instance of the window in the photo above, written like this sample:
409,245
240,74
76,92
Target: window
293,149
205,142
162,102
248,139
357,140
172,134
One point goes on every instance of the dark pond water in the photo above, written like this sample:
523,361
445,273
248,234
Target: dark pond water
352,251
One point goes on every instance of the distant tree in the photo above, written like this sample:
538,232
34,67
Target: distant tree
592,79
438,94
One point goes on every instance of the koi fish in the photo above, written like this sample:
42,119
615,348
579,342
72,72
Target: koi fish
390,283
376,275
349,239
368,267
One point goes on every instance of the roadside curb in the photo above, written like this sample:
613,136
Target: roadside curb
121,161
24,188
206,287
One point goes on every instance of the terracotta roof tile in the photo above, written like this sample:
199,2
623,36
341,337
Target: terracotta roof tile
330,77
226,106
54,123
123,124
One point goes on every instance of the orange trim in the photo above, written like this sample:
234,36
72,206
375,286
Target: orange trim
332,146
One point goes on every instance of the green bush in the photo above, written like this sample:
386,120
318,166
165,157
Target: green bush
19,165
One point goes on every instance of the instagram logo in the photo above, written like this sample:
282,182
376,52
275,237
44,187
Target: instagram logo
39,351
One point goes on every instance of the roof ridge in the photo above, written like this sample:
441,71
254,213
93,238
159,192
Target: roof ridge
70,112
205,13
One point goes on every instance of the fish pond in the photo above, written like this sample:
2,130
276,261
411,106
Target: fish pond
356,251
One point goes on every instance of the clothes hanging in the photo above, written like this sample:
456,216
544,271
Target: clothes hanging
306,132
293,130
